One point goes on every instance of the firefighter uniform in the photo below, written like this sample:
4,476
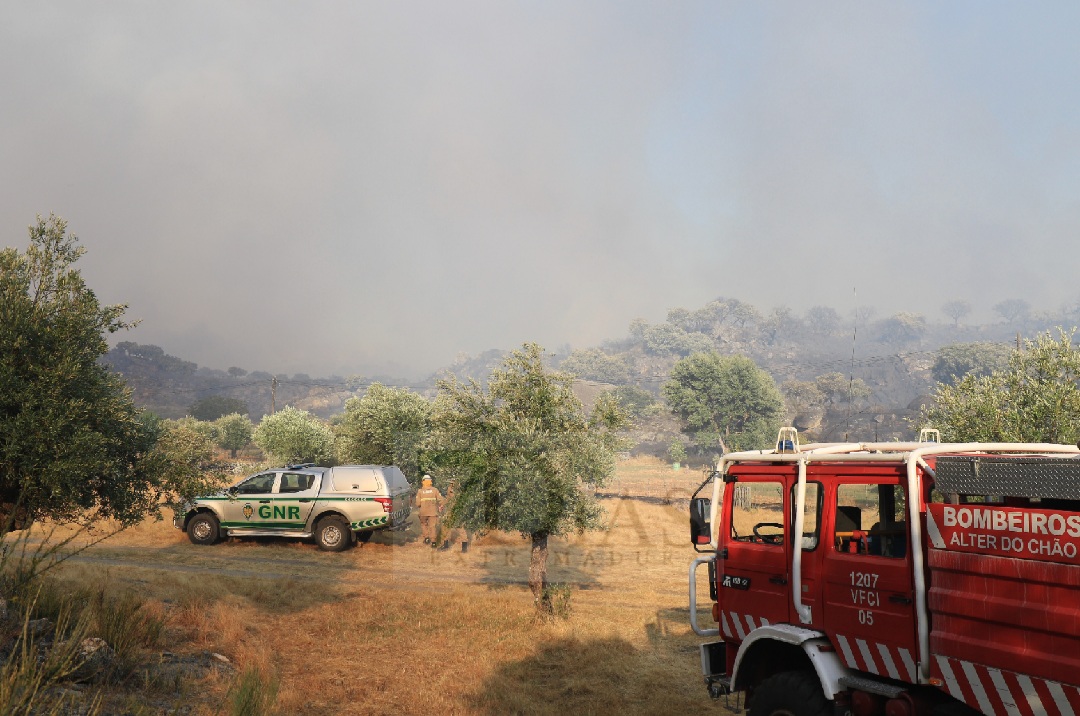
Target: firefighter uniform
429,501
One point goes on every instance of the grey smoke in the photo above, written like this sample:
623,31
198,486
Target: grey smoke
354,187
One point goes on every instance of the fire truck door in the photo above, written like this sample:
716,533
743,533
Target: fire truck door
868,593
752,572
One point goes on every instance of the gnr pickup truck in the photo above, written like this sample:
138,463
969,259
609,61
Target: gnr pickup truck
338,506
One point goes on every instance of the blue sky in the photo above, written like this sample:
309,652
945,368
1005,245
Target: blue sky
381,186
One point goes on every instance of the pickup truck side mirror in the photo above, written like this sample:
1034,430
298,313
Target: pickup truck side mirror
700,529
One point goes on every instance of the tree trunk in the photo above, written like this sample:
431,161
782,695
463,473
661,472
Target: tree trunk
538,573
14,516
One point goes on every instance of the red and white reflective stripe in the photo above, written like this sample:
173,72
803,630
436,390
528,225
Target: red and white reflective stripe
1006,693
732,624
877,658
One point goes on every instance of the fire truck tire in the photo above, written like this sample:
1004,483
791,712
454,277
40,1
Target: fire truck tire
790,693
333,534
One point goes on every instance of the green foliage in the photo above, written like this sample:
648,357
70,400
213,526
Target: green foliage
388,426
127,352
234,432
71,440
726,400
903,327
807,397
206,429
33,674
522,450
126,625
823,320
558,596
723,313
253,694
677,451
523,453
595,364
294,436
213,407
780,322
838,388
802,396
953,362
633,400
1034,399
669,339
184,456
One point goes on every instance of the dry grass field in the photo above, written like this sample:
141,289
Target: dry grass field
394,627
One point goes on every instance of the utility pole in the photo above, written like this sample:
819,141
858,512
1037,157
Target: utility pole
273,394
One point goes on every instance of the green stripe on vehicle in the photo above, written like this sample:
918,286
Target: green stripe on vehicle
280,498
364,524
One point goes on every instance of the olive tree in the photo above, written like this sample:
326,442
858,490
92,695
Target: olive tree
595,364
839,388
1035,398
956,310
523,450
233,432
1013,310
184,452
953,362
292,435
903,327
387,426
725,400
73,446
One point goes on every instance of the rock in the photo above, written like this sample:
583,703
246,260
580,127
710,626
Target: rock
91,646
173,668
96,657
38,628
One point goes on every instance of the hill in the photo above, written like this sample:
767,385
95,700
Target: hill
877,372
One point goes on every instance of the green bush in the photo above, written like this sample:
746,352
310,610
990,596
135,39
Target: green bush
253,694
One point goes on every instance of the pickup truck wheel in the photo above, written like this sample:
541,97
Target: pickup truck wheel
790,693
333,534
203,529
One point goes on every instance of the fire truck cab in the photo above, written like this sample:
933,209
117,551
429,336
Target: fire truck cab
898,579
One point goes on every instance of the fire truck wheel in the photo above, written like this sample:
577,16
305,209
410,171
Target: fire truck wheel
790,693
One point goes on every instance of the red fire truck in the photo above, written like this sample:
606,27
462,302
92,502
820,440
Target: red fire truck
897,579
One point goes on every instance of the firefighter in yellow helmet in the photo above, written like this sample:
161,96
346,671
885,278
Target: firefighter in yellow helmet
429,501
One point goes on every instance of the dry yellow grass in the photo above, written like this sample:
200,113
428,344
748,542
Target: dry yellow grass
396,627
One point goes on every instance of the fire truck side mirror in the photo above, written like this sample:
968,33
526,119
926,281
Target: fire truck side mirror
700,529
